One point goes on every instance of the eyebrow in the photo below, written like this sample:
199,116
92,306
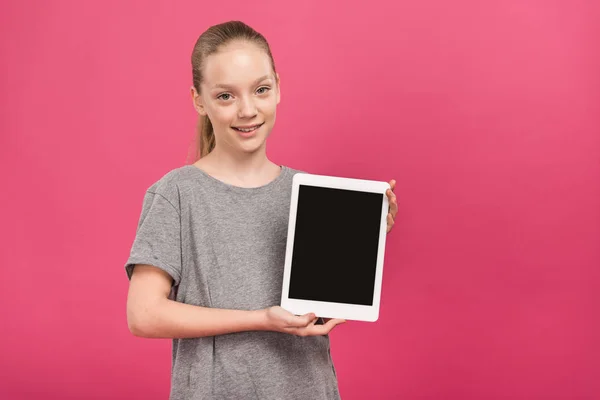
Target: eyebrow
256,82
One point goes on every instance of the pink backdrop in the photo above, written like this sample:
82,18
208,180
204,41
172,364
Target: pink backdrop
486,113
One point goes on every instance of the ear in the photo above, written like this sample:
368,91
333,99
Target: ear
197,101
278,87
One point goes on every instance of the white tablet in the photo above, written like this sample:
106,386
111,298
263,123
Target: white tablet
335,247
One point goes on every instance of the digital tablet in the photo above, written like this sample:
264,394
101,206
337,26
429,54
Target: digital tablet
335,247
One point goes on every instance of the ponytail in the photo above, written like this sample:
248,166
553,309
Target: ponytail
206,136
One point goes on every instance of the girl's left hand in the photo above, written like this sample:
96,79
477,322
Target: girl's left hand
393,208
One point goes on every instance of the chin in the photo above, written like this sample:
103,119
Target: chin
254,144
250,148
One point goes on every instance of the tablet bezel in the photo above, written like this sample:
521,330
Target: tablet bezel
329,309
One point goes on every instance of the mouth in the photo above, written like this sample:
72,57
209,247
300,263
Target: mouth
248,128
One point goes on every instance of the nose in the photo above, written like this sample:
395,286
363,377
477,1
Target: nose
246,108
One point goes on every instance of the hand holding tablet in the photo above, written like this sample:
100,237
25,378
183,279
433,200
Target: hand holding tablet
335,247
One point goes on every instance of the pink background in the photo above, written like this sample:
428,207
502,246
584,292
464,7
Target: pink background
486,113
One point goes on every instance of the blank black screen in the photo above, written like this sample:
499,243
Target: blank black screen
335,245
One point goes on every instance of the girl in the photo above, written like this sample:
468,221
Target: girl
206,264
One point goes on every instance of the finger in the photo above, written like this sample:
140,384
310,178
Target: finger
391,196
295,321
390,220
333,322
394,207
324,320
393,184
320,330
393,203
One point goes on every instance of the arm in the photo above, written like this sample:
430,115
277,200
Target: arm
150,313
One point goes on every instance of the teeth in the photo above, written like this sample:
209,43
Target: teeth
248,129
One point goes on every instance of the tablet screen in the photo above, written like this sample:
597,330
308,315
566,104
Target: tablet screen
336,238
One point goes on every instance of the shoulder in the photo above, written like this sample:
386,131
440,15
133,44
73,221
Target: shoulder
294,171
170,183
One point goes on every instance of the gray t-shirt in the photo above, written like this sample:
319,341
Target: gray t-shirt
224,247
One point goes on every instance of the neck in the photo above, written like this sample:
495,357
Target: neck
239,164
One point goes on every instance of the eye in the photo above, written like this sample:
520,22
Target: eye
224,96
263,89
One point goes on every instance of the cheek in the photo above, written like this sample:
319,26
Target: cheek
221,115
270,107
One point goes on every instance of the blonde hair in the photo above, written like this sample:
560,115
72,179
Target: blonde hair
209,43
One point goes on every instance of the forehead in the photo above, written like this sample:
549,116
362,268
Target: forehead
237,64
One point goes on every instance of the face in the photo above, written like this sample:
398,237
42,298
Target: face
239,94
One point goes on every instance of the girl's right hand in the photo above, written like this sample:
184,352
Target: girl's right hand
280,320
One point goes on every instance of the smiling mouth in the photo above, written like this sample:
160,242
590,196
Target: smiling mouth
250,129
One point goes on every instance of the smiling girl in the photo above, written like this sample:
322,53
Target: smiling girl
206,265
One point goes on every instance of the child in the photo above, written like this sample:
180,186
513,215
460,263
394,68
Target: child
206,265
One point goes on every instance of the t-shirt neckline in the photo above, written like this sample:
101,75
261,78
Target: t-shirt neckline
239,189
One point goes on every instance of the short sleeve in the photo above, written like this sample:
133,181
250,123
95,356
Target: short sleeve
158,237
